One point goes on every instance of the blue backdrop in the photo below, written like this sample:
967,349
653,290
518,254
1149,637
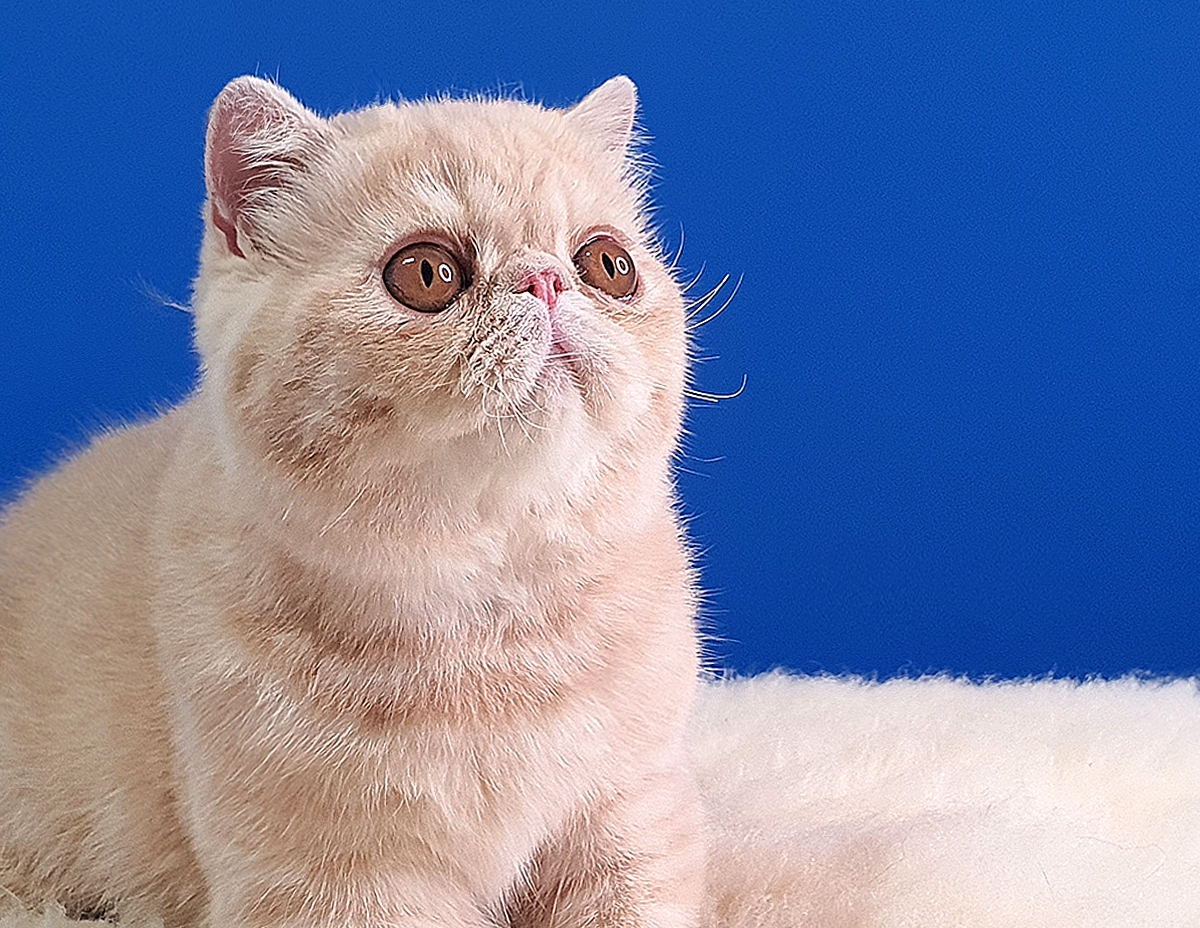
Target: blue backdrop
968,321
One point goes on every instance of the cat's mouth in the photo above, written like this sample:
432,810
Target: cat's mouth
568,353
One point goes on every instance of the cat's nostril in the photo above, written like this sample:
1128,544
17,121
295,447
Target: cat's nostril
545,284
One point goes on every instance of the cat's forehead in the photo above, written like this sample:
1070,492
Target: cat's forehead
500,170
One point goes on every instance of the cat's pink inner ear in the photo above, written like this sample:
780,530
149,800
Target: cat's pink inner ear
608,113
257,135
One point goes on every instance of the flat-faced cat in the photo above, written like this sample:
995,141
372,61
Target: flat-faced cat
391,623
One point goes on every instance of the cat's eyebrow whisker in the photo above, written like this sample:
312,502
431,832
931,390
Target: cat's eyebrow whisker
714,397
314,417
8,892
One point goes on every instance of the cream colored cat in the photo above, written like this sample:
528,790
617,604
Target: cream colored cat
391,623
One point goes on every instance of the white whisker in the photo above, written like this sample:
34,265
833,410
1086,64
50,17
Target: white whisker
714,397
695,280
708,297
678,251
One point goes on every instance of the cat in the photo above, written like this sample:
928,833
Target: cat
392,622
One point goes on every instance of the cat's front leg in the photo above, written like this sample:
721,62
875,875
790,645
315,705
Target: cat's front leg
634,860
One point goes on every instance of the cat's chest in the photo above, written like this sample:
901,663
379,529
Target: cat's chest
495,651
498,728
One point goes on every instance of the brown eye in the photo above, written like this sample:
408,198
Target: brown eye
425,277
605,265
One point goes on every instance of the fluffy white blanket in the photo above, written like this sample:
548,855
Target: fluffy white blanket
841,803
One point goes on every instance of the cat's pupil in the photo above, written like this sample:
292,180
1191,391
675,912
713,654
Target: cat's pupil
609,267
427,273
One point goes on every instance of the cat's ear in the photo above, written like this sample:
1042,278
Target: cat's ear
260,139
608,113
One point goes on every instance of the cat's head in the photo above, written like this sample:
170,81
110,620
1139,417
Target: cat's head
459,286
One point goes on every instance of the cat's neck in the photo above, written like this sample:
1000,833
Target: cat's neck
426,525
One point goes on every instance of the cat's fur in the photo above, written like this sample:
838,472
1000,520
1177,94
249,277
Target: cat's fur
391,623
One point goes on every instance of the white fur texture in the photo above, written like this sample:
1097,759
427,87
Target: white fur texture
840,803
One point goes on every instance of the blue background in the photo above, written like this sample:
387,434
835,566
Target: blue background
969,437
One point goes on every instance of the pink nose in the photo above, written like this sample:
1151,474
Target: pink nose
546,285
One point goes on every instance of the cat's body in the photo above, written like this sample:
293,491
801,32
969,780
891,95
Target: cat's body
392,622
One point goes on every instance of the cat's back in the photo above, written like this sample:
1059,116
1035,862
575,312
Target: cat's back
77,536
84,747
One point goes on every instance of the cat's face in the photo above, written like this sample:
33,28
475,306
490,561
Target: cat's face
459,284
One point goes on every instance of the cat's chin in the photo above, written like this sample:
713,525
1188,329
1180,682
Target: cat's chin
565,378
568,351
582,362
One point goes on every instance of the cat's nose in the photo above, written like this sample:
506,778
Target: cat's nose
545,284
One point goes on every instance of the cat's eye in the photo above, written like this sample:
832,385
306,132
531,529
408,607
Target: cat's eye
605,265
425,276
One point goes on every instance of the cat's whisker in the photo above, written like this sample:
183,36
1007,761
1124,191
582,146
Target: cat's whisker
700,304
695,280
523,423
528,389
516,412
541,409
608,390
153,293
678,251
499,419
694,394
703,302
513,413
